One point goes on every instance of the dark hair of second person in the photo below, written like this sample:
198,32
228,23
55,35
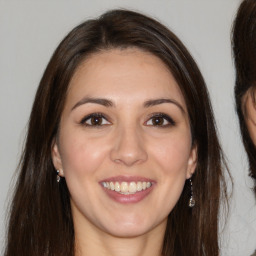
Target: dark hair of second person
244,52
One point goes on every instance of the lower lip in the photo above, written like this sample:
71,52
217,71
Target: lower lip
128,199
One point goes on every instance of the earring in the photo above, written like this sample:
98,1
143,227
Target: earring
58,176
192,201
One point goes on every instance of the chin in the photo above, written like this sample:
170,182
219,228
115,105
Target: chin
134,229
124,232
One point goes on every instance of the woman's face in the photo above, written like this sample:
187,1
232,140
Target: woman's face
124,145
250,113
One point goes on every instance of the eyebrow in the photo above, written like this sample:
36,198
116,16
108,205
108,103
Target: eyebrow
109,103
151,103
100,101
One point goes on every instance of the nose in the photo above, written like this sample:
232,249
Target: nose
129,147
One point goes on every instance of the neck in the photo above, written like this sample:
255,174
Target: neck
90,243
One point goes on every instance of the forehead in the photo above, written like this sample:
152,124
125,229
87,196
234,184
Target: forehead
124,73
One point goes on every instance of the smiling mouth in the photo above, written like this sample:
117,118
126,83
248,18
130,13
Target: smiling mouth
127,188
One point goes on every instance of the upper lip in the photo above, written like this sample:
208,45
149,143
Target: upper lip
121,178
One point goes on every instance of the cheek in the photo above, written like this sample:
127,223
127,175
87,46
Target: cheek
81,155
172,154
251,119
171,158
252,130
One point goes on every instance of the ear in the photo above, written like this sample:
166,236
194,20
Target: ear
56,158
192,162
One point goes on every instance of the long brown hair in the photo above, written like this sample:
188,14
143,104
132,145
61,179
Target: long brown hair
40,215
244,51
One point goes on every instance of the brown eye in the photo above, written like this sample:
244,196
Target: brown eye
161,120
96,119
157,120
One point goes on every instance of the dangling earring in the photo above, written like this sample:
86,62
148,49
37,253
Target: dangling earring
58,176
192,201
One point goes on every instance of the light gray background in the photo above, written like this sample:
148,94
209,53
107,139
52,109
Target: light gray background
31,30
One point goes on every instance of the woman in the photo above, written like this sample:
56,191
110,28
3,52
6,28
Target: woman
244,38
121,156
244,51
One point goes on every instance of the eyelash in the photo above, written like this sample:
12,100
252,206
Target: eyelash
165,117
94,115
154,115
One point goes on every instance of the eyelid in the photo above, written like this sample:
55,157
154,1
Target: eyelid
171,122
91,115
166,117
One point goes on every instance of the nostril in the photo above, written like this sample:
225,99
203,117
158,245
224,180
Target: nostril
128,157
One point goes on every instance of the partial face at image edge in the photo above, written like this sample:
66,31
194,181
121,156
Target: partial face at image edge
249,111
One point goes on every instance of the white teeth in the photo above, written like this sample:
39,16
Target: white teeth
139,186
112,185
127,188
132,187
117,187
124,187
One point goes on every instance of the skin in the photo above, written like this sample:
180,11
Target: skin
250,114
127,143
